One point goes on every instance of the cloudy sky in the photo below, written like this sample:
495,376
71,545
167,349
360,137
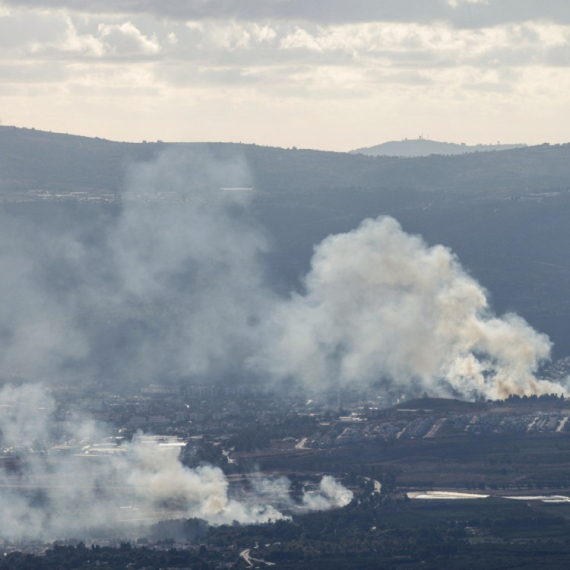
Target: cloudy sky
329,74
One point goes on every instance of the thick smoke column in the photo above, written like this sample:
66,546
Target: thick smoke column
174,288
380,304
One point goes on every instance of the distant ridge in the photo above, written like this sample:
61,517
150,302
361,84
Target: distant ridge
426,147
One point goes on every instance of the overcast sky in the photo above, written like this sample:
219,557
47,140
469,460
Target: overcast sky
328,74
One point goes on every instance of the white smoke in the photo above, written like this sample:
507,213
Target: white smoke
177,284
381,304
171,284
55,490
58,481
331,494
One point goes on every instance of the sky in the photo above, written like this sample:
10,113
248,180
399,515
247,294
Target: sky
326,74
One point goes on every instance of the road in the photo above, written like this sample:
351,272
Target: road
245,554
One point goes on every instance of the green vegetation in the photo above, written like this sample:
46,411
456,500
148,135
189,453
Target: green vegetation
82,558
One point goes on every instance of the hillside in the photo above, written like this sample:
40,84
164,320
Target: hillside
426,147
31,160
505,214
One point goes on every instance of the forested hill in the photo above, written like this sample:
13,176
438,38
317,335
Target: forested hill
31,159
505,214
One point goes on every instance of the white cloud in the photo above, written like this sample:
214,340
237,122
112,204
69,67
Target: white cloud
231,36
37,33
78,43
478,13
209,52
126,39
433,44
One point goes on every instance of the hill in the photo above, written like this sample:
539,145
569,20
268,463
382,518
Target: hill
505,214
36,160
426,147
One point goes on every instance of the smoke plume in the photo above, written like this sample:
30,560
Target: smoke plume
67,477
58,479
331,494
174,287
169,285
380,304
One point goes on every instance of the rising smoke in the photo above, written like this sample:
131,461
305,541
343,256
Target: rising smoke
381,304
79,488
172,285
331,494
175,287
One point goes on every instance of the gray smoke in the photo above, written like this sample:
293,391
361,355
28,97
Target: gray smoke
187,251
172,286
62,481
67,477
331,494
175,288
381,304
